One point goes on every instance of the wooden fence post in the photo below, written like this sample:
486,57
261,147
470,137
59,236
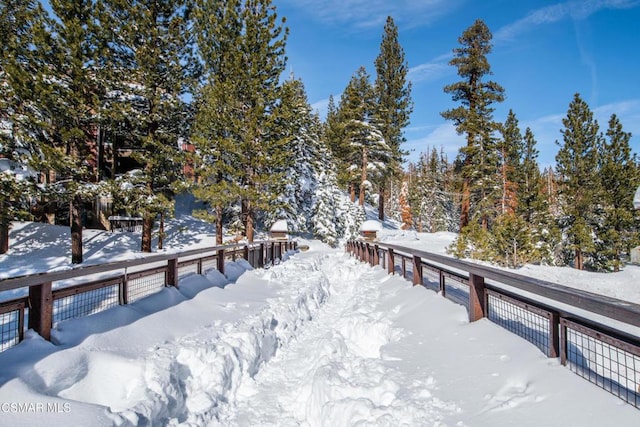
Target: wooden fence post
376,255
220,260
477,297
172,272
563,344
417,270
443,288
261,256
391,266
245,253
41,309
554,338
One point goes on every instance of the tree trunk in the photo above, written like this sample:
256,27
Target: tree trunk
352,191
363,176
381,201
147,227
75,219
249,228
4,238
161,231
218,225
464,204
579,260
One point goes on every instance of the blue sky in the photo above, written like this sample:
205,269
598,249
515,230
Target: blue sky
544,52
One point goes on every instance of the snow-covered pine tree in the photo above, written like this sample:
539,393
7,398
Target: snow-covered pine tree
368,153
152,67
579,185
22,30
72,104
299,128
620,177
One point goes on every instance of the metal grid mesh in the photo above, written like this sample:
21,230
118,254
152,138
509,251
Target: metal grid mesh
85,303
187,269
9,329
606,365
517,319
457,291
141,287
209,264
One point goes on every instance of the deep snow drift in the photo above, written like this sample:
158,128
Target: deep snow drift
319,339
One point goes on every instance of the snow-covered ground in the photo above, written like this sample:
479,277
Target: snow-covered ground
320,339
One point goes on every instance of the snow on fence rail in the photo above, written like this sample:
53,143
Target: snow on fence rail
106,285
588,332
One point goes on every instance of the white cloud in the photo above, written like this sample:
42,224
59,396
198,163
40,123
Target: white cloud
441,136
430,71
574,9
373,13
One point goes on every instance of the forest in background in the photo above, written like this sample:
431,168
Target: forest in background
194,92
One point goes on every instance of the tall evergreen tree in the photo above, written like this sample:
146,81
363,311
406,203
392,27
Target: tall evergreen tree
393,103
580,190
511,149
152,52
619,176
72,103
216,130
22,31
475,119
368,153
299,129
263,44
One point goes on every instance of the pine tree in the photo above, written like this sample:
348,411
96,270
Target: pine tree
262,44
22,30
511,148
216,129
475,119
577,167
620,177
72,102
300,131
152,53
368,153
393,103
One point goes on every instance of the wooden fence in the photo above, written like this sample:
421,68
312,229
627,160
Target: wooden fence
106,285
595,336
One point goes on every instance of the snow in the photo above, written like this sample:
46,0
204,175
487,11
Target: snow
371,225
636,199
319,339
280,226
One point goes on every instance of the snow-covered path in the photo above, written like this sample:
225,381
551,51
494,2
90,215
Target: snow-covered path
318,340
335,372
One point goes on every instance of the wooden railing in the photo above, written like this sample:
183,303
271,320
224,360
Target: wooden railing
116,283
594,335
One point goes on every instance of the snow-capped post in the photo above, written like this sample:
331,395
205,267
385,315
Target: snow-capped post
477,297
279,230
369,229
261,257
41,309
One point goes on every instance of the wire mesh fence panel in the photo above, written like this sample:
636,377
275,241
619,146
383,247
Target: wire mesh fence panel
209,264
10,328
83,303
187,268
526,321
457,290
144,284
610,363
